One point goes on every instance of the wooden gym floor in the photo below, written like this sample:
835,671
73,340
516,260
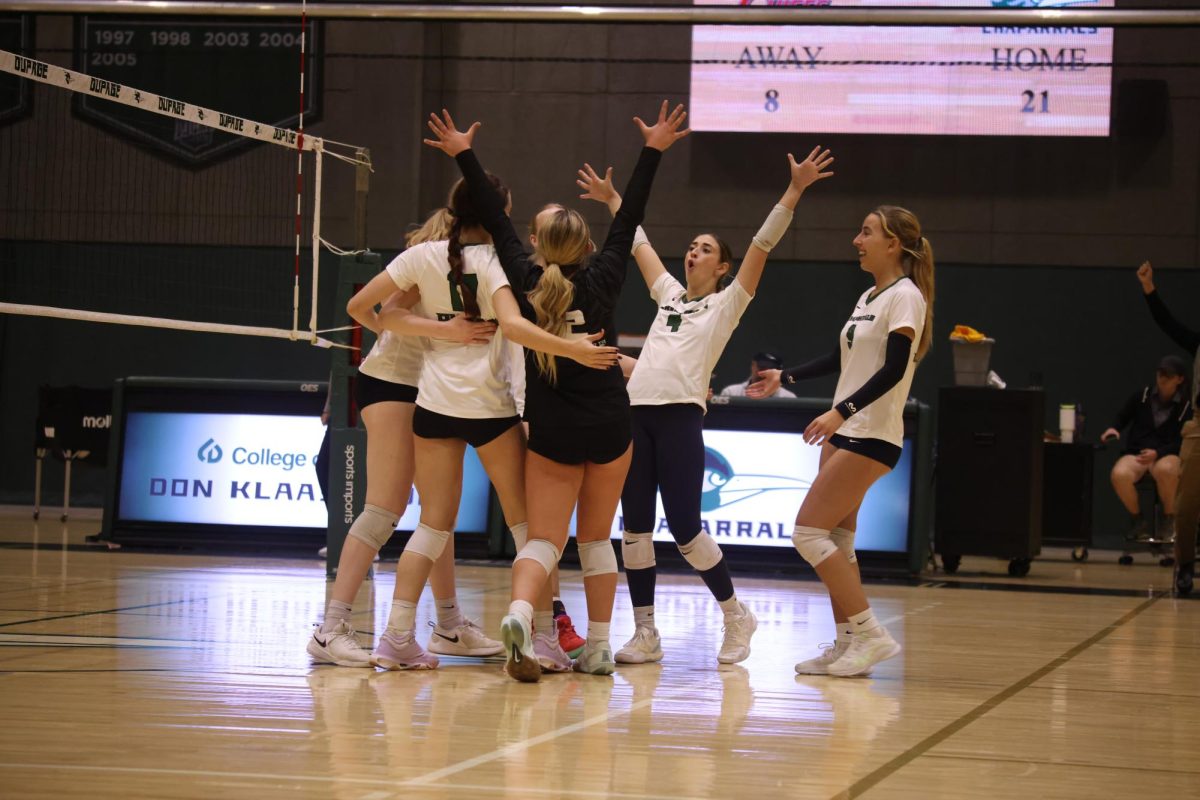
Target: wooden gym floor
168,676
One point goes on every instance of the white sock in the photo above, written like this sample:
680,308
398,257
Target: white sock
643,616
336,612
523,610
597,631
449,615
402,619
731,607
543,622
844,631
864,622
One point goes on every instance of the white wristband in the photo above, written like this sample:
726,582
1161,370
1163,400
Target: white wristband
773,228
639,239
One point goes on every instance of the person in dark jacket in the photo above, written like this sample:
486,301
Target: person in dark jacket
1187,495
1154,417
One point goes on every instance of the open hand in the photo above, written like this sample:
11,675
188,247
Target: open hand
594,187
587,353
766,385
812,169
464,330
450,140
1145,274
824,426
665,132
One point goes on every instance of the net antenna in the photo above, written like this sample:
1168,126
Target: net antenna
180,111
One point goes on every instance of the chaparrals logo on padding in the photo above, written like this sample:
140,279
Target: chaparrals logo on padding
210,452
723,487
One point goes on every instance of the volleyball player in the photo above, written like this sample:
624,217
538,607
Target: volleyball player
579,420
568,638
463,398
385,392
668,391
888,332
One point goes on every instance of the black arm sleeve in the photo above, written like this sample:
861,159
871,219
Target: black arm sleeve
827,364
613,256
1127,412
490,205
895,362
1183,336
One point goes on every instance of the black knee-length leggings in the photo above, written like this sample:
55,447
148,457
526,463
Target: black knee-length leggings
668,456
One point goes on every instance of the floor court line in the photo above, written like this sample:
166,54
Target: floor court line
867,782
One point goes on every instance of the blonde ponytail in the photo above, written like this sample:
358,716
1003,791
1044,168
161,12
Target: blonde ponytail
551,300
922,276
563,241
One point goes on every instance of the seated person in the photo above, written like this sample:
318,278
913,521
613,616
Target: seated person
760,361
1154,416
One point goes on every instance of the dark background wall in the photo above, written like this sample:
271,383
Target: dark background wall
1036,240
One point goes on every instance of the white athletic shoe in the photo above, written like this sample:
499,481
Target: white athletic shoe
520,662
339,646
738,630
550,654
465,640
596,659
646,645
820,665
865,651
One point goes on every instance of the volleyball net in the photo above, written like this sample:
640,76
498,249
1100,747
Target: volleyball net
163,212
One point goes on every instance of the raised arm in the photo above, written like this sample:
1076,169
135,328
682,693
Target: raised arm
619,242
1182,335
803,175
520,330
601,190
489,203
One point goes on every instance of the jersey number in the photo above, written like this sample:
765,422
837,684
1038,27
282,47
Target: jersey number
674,321
850,337
470,279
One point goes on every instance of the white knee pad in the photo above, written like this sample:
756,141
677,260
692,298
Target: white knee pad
637,550
541,551
703,553
374,526
844,539
520,534
427,541
597,558
814,544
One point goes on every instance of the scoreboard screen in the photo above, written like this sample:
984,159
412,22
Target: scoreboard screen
983,80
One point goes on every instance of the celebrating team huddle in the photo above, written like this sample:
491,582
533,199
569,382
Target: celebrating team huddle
453,314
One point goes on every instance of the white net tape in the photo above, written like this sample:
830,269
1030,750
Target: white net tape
79,82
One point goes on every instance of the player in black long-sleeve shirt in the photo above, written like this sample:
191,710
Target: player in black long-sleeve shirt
579,427
1187,498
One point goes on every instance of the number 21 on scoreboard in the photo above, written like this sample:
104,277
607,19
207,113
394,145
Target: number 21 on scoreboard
1031,106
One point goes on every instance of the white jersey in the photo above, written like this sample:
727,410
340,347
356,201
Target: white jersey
864,347
458,380
395,358
684,343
